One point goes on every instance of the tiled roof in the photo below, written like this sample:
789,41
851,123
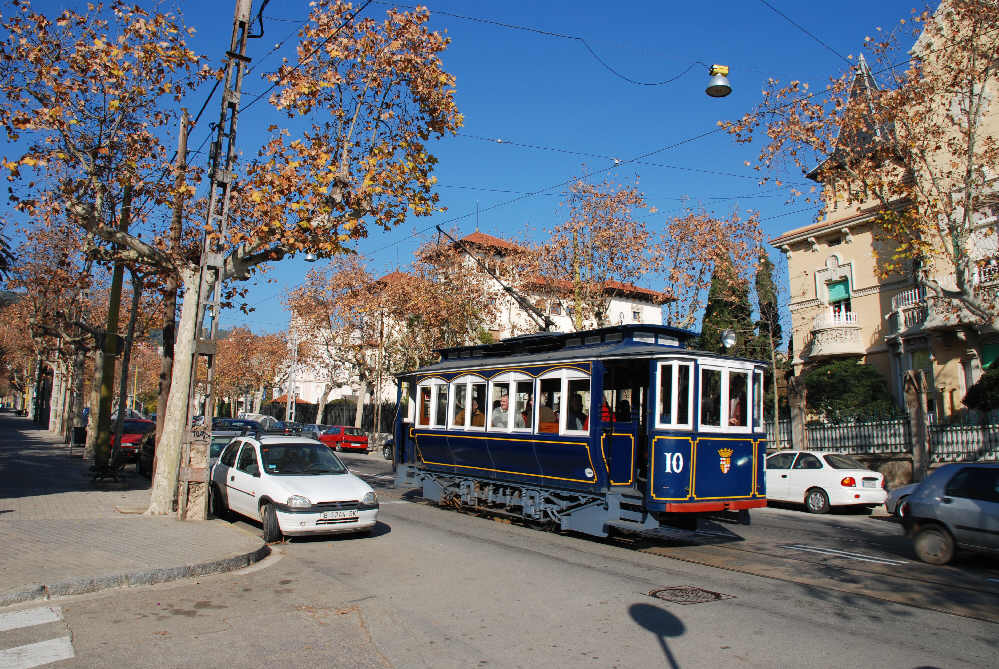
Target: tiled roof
482,239
394,277
609,287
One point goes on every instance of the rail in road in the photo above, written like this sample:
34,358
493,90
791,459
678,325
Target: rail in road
812,561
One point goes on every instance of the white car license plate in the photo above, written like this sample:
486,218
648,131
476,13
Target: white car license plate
869,484
339,515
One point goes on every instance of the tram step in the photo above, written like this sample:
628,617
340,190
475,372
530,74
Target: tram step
628,525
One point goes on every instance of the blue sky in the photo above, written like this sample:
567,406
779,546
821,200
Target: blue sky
538,90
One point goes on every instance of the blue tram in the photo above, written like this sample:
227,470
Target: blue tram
621,427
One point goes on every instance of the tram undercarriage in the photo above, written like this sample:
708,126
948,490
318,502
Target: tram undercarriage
566,509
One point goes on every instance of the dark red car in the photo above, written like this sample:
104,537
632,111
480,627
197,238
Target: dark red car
133,431
344,438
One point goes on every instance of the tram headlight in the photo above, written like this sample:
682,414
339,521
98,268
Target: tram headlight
588,473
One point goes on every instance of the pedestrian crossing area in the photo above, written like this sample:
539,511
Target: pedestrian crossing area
28,638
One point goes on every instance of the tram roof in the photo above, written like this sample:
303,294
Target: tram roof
632,340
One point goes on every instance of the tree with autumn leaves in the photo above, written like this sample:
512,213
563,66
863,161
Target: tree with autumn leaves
918,140
89,99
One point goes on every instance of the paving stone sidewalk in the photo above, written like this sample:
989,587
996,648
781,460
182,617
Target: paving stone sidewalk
61,533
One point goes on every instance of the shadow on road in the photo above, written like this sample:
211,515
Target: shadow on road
660,622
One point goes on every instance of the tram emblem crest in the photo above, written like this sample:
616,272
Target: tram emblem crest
726,459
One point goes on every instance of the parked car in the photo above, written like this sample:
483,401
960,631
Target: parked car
388,448
313,430
957,506
292,486
344,438
133,431
266,423
822,480
895,501
290,427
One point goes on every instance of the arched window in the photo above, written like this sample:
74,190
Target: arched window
511,402
563,402
468,403
432,402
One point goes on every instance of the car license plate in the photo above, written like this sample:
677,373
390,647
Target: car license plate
339,515
869,484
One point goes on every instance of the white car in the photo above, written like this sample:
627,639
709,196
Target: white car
293,486
822,480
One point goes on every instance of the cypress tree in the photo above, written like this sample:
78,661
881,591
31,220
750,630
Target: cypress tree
727,308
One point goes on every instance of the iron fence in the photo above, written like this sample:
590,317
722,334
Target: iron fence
781,438
964,443
872,437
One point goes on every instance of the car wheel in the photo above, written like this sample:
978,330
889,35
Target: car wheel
272,530
219,508
387,452
817,501
898,507
933,544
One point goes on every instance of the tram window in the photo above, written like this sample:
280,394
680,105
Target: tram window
683,395
424,406
666,394
576,418
499,411
523,417
458,418
758,398
738,398
551,400
478,420
440,413
711,397
674,394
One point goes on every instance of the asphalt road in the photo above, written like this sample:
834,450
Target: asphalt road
438,588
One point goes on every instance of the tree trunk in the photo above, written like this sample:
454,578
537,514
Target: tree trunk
166,362
126,356
76,390
321,409
164,489
95,398
359,408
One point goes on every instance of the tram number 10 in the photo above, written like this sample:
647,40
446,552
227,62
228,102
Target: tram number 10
674,463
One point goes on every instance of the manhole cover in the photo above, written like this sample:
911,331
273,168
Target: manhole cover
687,594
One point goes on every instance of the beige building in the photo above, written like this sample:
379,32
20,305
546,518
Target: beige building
842,305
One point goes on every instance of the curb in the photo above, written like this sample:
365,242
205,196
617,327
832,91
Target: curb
80,586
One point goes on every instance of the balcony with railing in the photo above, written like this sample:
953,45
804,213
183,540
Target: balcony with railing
908,310
836,333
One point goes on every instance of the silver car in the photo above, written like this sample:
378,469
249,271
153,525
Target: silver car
957,506
895,501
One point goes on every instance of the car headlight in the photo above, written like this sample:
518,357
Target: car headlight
299,502
369,498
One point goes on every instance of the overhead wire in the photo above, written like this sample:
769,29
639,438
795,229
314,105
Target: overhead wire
804,30
549,33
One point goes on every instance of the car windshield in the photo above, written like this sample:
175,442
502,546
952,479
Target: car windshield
843,462
138,427
299,460
218,443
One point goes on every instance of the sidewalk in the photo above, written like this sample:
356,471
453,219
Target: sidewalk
63,534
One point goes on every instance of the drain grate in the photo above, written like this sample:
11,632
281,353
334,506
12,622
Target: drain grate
687,594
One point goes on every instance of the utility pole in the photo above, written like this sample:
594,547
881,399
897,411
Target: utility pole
290,396
222,158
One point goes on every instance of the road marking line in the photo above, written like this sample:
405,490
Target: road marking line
30,617
852,556
35,654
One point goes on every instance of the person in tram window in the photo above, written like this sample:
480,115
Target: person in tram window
523,419
576,420
624,411
502,412
736,407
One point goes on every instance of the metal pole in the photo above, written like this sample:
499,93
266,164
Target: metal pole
221,162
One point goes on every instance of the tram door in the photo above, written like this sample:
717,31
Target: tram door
622,413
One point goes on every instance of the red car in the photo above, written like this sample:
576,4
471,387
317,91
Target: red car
344,438
133,430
